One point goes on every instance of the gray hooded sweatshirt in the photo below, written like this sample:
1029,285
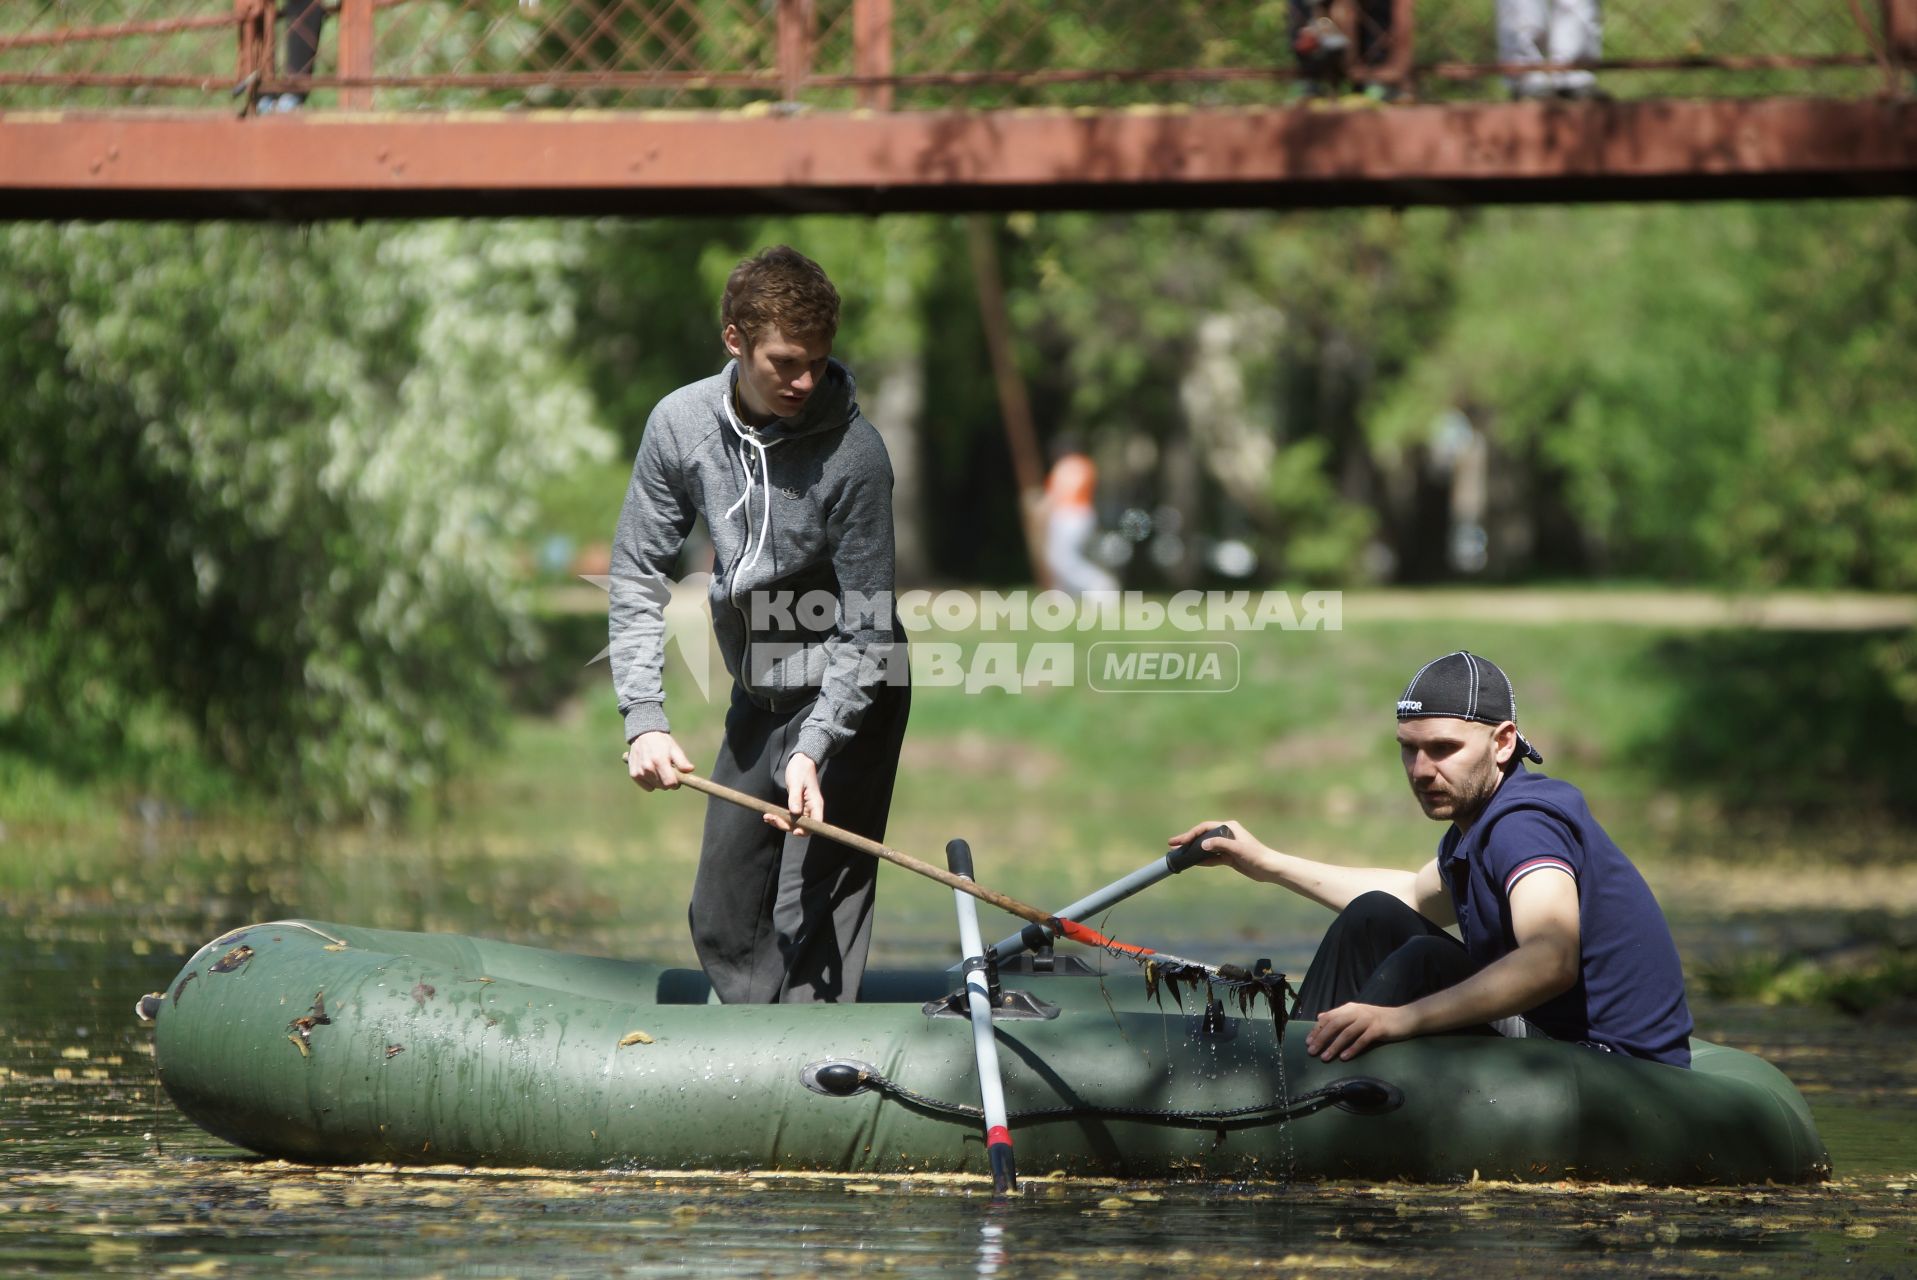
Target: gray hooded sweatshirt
800,507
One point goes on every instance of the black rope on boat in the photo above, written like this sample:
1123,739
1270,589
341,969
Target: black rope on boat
1360,1095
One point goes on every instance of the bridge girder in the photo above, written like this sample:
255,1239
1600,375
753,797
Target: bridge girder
312,166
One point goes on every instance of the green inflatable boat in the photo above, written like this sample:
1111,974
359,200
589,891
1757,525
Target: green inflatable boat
329,1044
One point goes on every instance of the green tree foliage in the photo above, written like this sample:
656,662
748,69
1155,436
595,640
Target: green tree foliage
1324,309
1714,394
1723,394
649,298
261,486
649,312
1726,389
1709,394
650,293
259,489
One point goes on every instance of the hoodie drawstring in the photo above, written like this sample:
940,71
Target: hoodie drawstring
765,479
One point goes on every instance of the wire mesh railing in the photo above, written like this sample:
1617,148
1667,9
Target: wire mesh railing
783,55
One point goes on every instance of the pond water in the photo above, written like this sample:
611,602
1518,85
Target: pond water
99,1175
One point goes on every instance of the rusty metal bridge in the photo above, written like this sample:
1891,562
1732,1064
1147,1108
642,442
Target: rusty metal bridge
171,108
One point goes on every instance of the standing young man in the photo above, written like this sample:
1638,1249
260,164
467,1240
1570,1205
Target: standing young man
796,489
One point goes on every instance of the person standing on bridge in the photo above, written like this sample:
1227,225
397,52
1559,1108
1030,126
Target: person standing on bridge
1562,937
302,20
1551,31
796,490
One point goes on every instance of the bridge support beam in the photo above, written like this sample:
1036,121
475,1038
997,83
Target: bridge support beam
356,53
329,164
1900,26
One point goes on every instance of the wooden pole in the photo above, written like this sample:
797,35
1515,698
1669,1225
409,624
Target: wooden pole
1071,930
853,840
1015,408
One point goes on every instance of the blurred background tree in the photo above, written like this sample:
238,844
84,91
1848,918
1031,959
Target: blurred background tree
262,490
274,498
1722,393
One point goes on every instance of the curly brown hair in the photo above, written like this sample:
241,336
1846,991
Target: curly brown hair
780,286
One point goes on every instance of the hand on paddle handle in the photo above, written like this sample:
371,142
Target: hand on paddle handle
1240,851
803,796
654,760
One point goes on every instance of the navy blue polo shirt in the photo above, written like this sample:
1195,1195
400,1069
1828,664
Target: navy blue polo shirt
1630,990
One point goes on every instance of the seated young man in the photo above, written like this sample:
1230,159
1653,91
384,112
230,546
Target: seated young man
1558,926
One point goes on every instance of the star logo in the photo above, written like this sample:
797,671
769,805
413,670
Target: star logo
688,615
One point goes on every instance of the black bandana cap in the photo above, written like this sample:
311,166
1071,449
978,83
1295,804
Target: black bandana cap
1463,686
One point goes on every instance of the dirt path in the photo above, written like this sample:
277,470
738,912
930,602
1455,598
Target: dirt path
1772,611
1651,607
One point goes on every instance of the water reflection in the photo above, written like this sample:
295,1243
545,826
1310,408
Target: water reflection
991,1245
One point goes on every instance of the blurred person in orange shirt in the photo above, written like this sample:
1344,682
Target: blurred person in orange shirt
1071,521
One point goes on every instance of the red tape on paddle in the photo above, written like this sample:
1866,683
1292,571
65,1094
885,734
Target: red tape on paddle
1076,932
998,1135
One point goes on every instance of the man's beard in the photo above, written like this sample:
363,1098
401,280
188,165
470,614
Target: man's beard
1466,803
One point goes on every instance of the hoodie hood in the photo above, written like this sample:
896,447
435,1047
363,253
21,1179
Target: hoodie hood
756,443
832,404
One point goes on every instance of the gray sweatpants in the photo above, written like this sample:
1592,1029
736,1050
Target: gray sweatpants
776,918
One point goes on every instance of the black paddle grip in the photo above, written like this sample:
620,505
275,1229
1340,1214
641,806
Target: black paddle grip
1189,854
958,858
